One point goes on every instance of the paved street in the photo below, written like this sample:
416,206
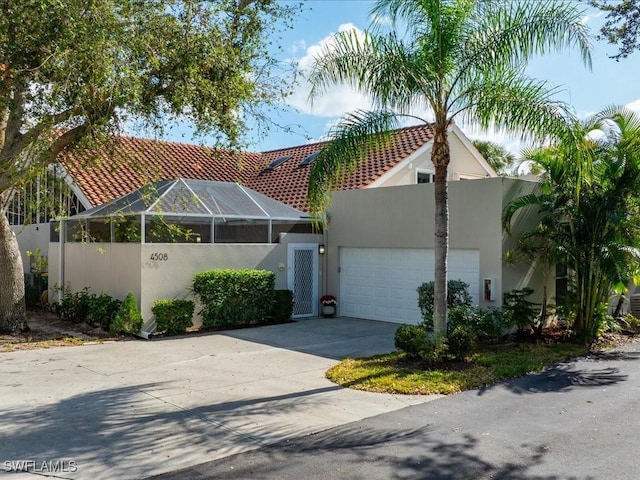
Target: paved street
577,421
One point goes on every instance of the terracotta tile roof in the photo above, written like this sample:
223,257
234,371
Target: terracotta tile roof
132,162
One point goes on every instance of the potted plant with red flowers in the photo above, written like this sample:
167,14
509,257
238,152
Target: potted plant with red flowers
328,303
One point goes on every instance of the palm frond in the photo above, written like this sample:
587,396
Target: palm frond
359,134
390,72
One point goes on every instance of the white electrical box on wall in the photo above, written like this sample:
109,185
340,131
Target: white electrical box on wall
489,289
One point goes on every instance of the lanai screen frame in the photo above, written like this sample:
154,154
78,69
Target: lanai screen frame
124,207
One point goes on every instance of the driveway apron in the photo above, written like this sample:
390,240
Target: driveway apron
138,408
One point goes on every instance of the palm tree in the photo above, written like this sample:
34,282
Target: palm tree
500,159
589,206
454,59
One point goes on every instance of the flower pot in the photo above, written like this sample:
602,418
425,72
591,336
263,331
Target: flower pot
328,311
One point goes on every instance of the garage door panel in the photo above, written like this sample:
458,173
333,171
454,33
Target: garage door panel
381,283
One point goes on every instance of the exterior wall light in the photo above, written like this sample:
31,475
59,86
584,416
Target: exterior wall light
321,249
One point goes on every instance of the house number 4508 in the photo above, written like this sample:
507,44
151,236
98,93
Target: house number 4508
159,257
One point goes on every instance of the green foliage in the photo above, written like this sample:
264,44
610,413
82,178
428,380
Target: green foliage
518,310
73,73
173,317
457,295
73,306
84,306
442,59
410,339
621,26
500,159
392,373
416,342
234,297
461,341
128,319
630,321
485,323
39,262
588,208
282,307
103,309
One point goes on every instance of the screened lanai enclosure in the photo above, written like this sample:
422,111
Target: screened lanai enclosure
188,211
154,240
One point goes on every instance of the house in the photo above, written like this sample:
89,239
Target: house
397,231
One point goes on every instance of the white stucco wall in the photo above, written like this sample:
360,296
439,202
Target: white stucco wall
103,267
464,164
156,271
403,217
30,238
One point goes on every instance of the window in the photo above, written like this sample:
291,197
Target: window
425,177
42,199
278,161
309,159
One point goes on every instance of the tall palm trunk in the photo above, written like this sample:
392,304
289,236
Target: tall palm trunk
440,156
12,306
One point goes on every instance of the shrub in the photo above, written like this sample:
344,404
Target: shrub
457,295
282,307
73,306
103,309
173,317
460,341
519,311
416,342
410,339
128,319
484,323
234,297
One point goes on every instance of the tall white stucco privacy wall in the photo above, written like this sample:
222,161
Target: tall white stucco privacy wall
154,271
381,241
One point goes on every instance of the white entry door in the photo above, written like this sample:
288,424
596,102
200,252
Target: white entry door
303,278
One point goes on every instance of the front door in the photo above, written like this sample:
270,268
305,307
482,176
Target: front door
303,278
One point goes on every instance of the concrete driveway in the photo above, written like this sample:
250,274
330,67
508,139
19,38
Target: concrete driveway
138,408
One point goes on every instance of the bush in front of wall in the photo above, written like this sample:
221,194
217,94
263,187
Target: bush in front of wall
173,317
410,339
73,306
457,296
103,309
282,308
234,297
128,319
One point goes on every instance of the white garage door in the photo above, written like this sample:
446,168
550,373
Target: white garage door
381,283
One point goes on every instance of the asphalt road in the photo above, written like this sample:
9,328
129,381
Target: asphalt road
578,420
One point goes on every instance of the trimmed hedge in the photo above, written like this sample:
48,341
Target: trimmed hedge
282,307
173,317
234,297
128,319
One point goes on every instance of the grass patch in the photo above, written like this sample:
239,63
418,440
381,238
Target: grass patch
396,373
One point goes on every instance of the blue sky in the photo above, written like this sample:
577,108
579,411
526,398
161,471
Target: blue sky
608,83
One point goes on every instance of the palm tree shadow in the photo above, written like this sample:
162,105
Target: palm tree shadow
561,378
389,452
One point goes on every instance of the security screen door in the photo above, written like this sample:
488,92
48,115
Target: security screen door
303,278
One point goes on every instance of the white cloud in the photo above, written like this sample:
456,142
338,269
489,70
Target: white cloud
635,106
297,47
591,15
337,100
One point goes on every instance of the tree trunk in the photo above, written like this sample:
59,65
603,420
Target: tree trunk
440,157
12,306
